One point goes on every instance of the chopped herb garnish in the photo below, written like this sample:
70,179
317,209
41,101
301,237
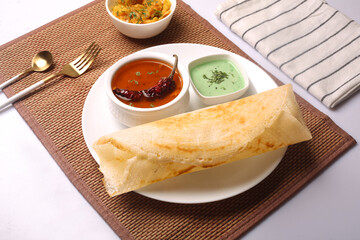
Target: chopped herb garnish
131,104
140,20
142,11
136,82
132,15
153,72
216,77
152,105
158,13
138,73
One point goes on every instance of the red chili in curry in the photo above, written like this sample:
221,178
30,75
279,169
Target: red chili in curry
143,83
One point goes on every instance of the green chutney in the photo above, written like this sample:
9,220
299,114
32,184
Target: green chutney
217,78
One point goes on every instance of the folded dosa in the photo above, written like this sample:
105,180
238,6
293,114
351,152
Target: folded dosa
135,157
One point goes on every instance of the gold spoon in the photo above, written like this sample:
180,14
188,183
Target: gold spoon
41,62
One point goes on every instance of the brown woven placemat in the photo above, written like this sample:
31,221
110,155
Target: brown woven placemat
54,114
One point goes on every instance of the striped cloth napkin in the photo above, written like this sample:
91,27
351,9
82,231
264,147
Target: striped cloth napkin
314,44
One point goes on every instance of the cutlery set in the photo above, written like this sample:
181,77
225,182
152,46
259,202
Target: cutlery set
42,61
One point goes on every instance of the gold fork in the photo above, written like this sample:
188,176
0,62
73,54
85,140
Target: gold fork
73,69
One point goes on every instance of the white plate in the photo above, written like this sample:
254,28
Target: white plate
198,187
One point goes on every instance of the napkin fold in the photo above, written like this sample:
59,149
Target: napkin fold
314,44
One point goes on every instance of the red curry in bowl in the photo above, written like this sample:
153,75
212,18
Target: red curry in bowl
138,76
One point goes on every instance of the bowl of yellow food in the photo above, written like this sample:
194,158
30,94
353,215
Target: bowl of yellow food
140,18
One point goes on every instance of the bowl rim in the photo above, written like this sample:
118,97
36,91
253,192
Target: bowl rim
172,8
146,55
219,56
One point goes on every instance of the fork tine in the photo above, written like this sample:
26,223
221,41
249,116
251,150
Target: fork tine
88,54
90,61
70,70
77,60
90,57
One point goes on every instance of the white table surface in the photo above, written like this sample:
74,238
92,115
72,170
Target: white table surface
37,201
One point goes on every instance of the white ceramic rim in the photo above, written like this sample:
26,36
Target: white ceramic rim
172,8
147,55
221,56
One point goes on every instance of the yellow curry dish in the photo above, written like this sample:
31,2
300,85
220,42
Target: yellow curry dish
141,11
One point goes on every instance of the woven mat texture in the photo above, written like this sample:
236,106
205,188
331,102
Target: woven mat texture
54,113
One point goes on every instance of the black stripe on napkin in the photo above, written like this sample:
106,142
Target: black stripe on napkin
322,60
322,42
337,70
307,34
259,10
238,4
288,25
326,95
268,20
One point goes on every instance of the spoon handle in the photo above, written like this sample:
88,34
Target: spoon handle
10,81
21,94
26,91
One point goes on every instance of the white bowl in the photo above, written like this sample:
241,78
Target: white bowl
140,31
132,116
211,100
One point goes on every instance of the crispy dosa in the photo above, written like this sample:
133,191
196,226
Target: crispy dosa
135,157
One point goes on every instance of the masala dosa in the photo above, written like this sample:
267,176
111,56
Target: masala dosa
135,157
